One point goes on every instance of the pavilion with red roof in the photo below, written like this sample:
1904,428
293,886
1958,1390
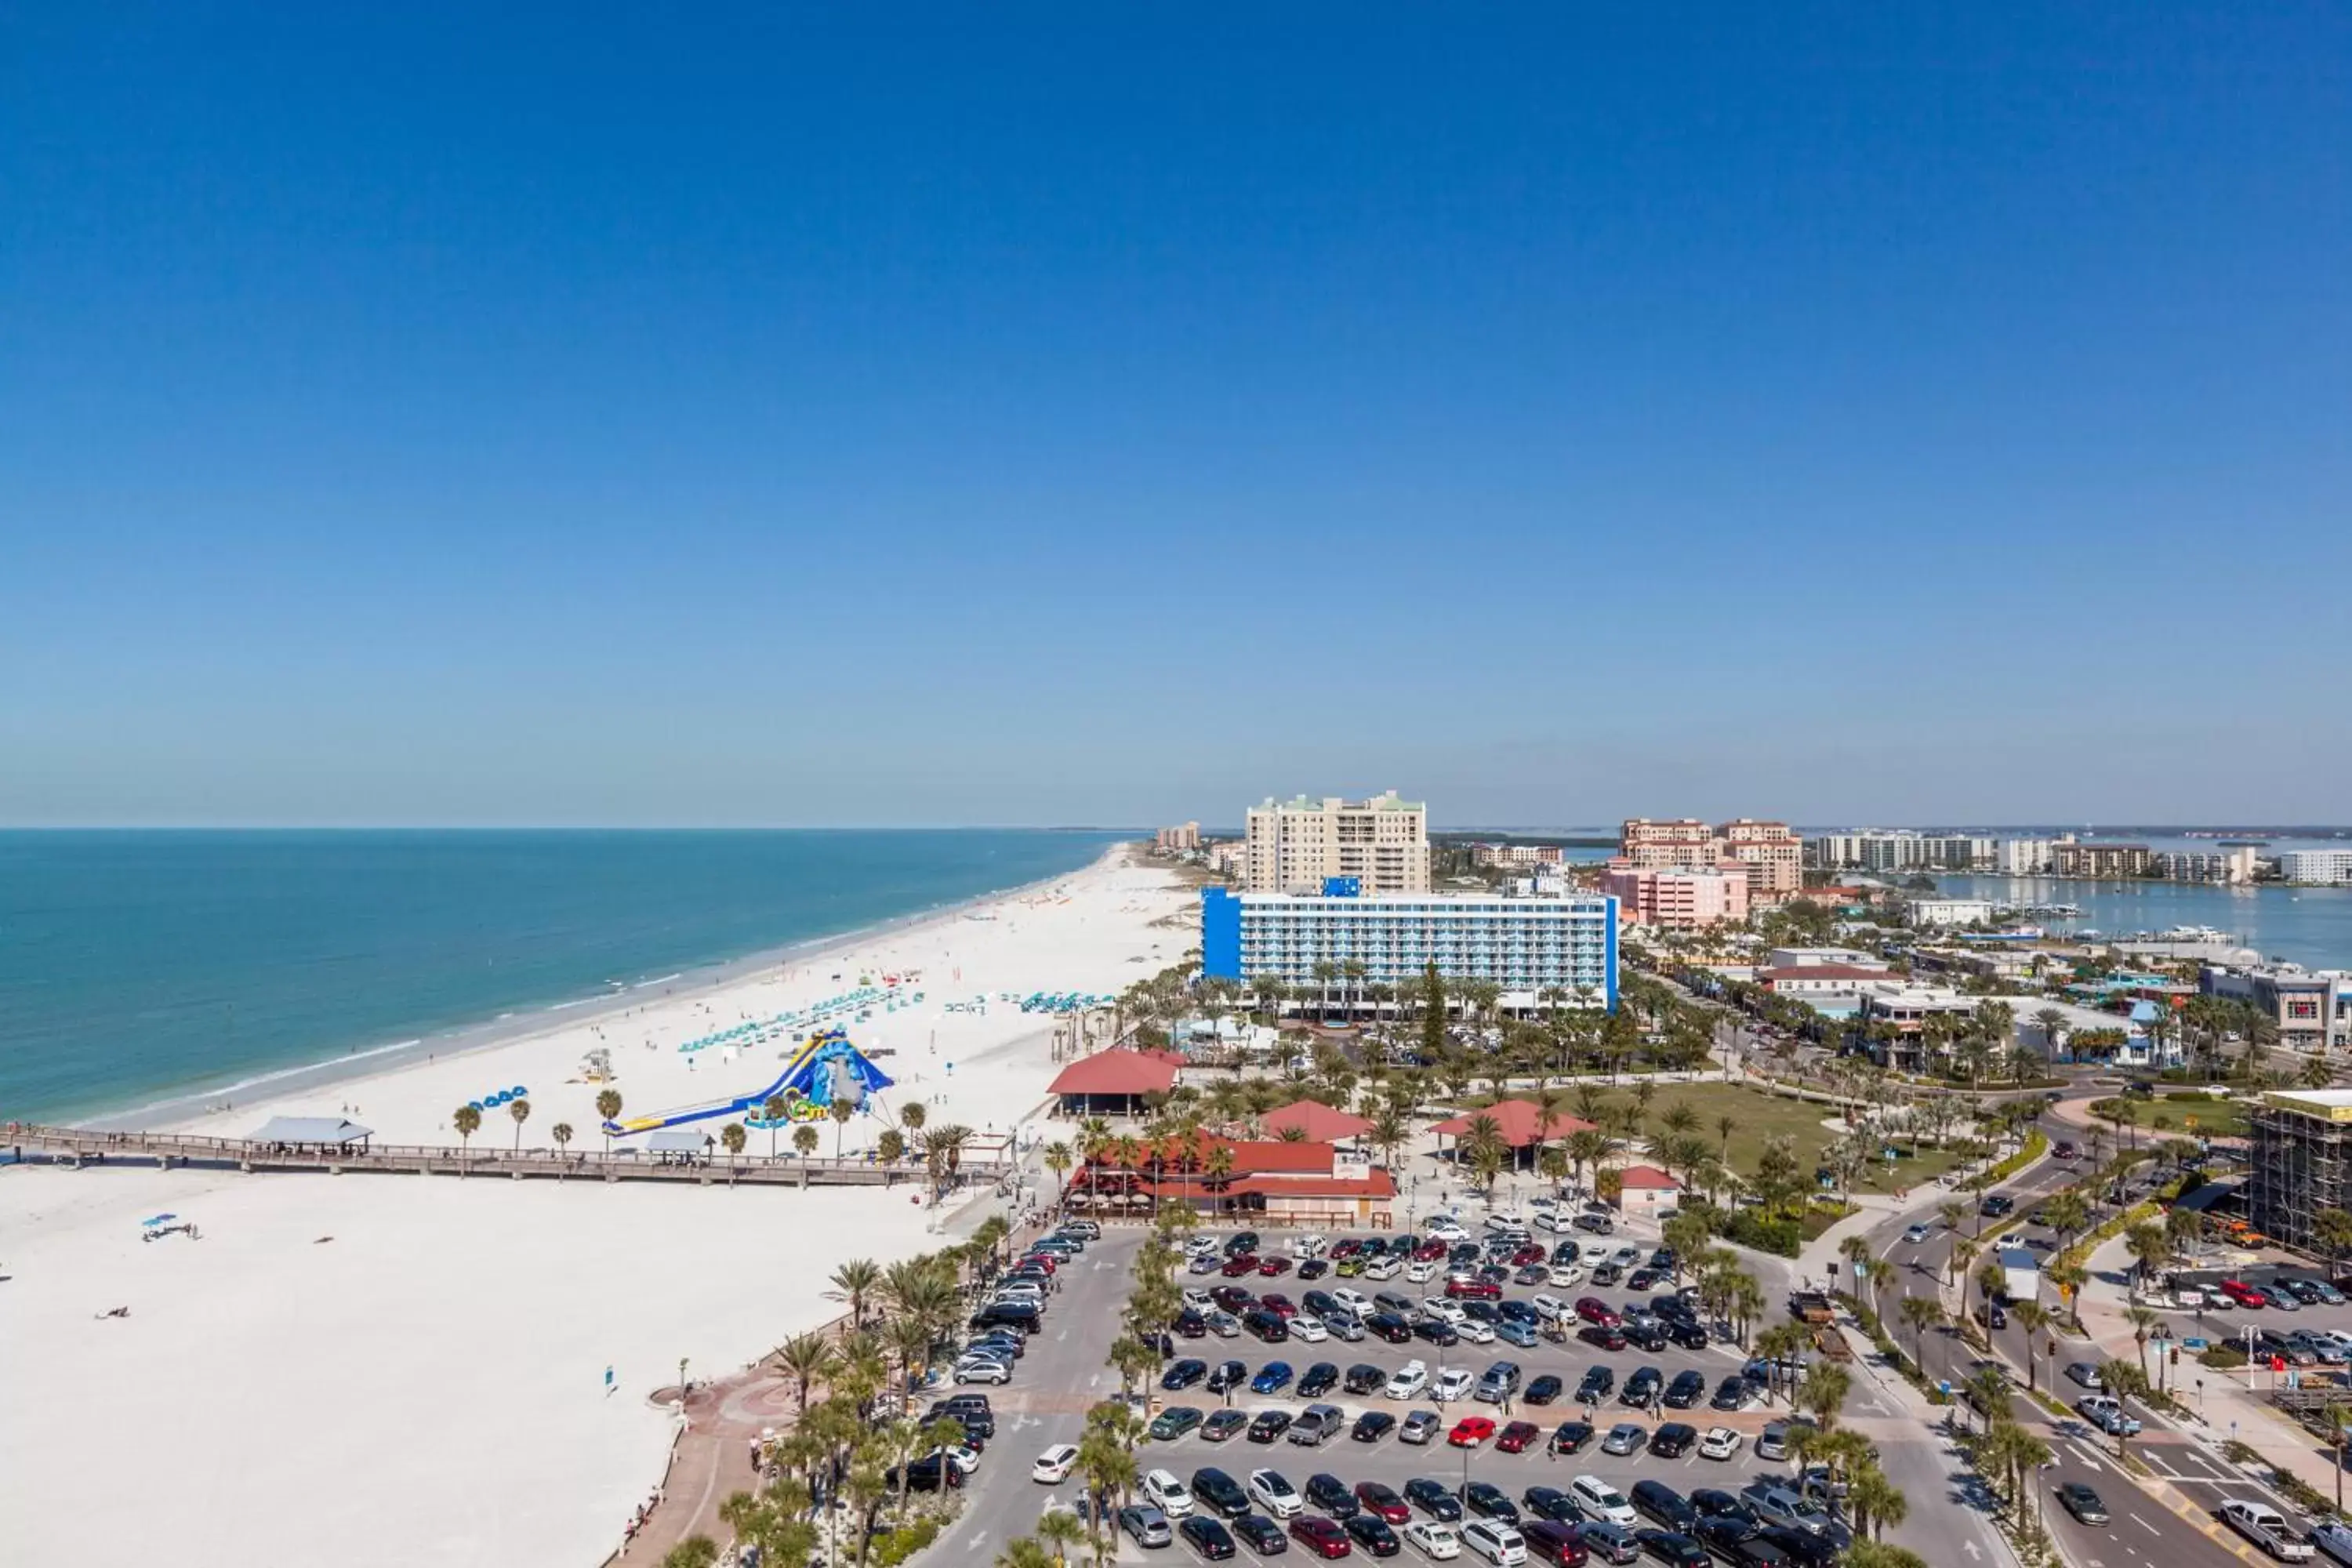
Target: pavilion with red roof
1520,1123
1316,1122
1113,1082
1278,1181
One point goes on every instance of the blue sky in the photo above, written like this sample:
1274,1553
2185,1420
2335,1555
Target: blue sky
1027,415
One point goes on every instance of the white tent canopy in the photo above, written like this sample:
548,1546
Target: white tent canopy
334,1131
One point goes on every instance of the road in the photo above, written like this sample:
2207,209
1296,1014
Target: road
2142,1531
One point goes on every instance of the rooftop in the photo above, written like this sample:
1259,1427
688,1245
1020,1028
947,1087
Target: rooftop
1117,1072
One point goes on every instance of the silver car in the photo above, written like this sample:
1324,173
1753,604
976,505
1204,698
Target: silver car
1147,1525
1625,1437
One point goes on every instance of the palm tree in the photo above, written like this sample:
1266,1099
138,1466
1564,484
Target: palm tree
468,1121
520,1111
804,1140
561,1133
1062,1531
733,1136
2144,1322
694,1551
608,1108
1875,1502
911,1117
1057,1160
853,1282
808,1357
2332,1229
771,1112
2034,1320
2070,1278
1920,1313
1023,1551
841,1110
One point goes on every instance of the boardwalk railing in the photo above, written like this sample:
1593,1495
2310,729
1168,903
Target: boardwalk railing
80,1146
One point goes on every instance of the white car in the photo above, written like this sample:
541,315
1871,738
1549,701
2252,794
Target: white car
1597,1251
1443,1230
1444,1309
1054,1466
1420,1270
965,1461
1310,1245
1505,1219
2334,1539
1163,1491
1272,1492
1408,1381
1916,1235
1310,1329
1601,1501
1496,1541
1474,1332
1453,1383
982,1369
1550,1309
1436,1541
1720,1442
1355,1301
1565,1275
1384,1269
1200,1246
1200,1300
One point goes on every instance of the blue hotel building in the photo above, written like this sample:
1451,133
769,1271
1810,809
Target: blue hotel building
1527,946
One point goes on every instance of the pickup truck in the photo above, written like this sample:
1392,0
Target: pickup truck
2267,1527
2106,1412
1811,1307
1831,1344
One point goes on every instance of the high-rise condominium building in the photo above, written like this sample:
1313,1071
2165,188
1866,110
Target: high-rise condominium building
1773,855
1297,846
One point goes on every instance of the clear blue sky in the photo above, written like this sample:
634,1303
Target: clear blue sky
1019,414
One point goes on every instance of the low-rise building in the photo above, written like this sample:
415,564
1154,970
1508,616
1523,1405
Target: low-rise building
2312,1007
1807,980
1949,912
2230,867
1269,1181
1803,957
1178,839
1516,856
1646,1189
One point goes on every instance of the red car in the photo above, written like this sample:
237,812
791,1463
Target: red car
1044,1260
1239,1264
1593,1309
1474,1290
1382,1501
1515,1437
1273,1266
1319,1535
1528,1254
1232,1298
1470,1431
1348,1249
1429,1252
1276,1301
2244,1294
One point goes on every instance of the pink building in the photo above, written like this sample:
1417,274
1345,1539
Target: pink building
1677,899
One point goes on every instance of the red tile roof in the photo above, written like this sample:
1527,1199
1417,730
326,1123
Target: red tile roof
1317,1121
1116,1072
1516,1120
1644,1176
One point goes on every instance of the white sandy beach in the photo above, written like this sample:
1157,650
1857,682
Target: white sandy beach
427,1385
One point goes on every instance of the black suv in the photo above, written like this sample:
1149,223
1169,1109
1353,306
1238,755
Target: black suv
1389,1327
1240,1242
1674,1439
1663,1503
1318,1379
1220,1492
1596,1386
1686,1390
1365,1378
1330,1494
1436,1330
1642,1388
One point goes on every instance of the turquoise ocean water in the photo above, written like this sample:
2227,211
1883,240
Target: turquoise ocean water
136,966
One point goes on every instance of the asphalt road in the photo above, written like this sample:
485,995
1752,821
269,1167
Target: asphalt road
2141,1532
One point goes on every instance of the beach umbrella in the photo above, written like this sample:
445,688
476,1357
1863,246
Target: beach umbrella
159,1219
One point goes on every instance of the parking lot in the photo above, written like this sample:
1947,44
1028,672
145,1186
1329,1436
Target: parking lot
1388,1458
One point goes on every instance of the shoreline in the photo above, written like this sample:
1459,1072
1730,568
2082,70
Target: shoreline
523,1024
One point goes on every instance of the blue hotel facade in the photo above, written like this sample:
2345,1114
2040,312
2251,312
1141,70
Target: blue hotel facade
1527,946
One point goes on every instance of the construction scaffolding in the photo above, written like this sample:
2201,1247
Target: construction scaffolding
2300,1142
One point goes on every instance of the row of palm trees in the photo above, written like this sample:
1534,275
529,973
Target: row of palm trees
855,1412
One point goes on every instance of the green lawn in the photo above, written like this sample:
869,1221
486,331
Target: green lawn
1759,1116
2187,1118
